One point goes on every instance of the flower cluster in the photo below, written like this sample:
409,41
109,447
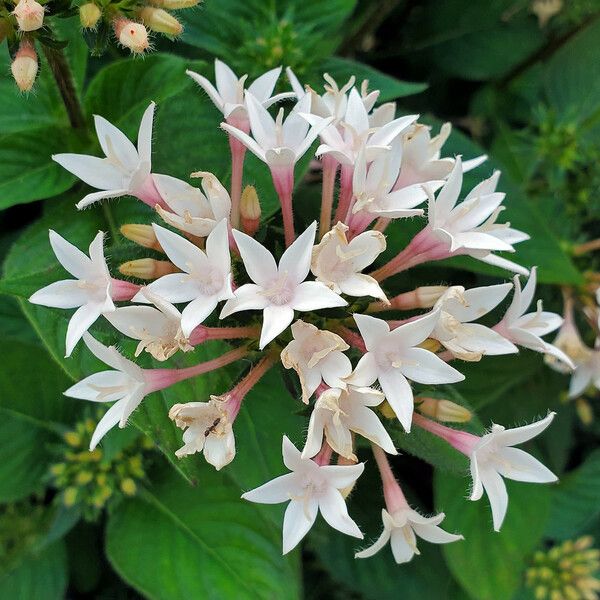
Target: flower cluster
311,306
25,22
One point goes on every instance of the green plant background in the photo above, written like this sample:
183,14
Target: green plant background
528,96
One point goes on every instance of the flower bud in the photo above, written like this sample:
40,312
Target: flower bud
132,35
423,297
142,235
430,344
25,66
443,410
147,268
175,4
250,210
584,411
89,15
29,15
160,20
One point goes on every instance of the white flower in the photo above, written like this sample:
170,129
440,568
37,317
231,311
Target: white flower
373,187
193,211
207,428
90,291
338,263
316,356
124,170
527,329
158,329
126,386
279,143
310,488
206,277
228,96
493,457
587,372
278,290
467,340
421,162
392,358
402,528
470,227
337,413
357,133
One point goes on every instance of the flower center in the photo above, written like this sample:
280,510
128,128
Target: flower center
280,291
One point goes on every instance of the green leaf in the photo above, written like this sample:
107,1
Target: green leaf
175,541
41,576
572,75
341,69
488,564
576,501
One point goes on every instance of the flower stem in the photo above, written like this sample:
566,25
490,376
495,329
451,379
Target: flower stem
64,80
283,180
392,492
330,167
345,195
460,440
238,154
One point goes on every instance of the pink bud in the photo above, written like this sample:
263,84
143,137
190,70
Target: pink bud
29,15
25,66
132,35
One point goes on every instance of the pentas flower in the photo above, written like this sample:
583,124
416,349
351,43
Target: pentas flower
338,263
338,413
402,524
124,171
309,488
493,457
586,374
158,329
279,290
421,162
92,291
316,356
456,331
190,210
206,276
527,329
228,93
392,358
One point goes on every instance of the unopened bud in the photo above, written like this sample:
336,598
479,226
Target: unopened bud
584,411
24,67
132,35
147,268
143,235
89,15
29,15
386,410
443,410
160,20
250,210
175,4
423,297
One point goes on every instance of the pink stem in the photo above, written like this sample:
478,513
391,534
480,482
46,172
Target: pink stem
238,154
324,456
202,334
351,337
283,180
159,379
381,224
149,195
460,440
392,492
330,167
123,290
345,195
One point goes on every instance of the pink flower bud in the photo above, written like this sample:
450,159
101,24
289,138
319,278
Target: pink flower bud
25,66
29,15
132,35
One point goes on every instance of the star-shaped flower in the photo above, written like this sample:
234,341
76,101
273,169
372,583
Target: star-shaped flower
126,386
278,290
493,457
401,529
206,276
337,413
310,488
228,95
527,329
392,359
455,330
125,170
90,290
207,428
316,355
338,263
190,210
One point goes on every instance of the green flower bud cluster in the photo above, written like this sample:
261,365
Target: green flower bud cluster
568,571
93,480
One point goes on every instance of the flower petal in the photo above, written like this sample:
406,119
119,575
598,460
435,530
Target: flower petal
335,512
106,423
258,261
275,320
399,395
296,259
297,521
423,366
517,464
313,295
79,323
